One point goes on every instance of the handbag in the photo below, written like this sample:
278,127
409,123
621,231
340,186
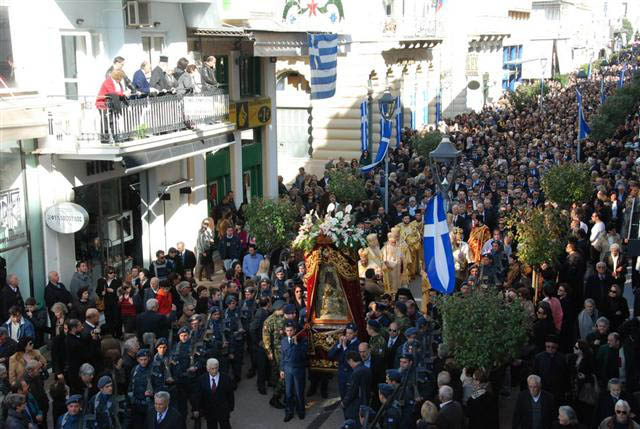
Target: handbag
589,392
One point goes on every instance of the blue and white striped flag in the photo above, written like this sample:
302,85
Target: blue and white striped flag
414,106
621,77
323,58
438,108
364,126
438,253
603,96
383,147
399,123
583,127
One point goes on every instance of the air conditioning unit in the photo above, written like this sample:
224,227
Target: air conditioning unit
137,14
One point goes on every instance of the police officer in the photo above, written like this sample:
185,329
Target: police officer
346,342
358,386
279,281
255,335
234,330
412,345
160,376
140,392
183,370
102,408
216,344
272,333
408,395
390,418
292,370
366,414
72,419
247,311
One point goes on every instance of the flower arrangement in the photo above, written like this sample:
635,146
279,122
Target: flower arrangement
336,229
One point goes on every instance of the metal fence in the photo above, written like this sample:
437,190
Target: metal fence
122,120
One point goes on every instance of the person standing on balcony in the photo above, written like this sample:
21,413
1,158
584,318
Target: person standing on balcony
159,77
141,78
187,82
208,73
118,64
181,68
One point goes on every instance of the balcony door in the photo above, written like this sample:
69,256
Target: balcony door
153,46
79,51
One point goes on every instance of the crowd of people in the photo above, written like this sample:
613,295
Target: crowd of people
163,347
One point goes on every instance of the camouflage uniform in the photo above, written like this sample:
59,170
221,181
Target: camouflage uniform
378,345
272,333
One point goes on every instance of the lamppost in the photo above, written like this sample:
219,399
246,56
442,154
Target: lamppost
543,68
444,157
387,104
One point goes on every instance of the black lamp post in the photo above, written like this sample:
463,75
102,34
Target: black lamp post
444,156
387,104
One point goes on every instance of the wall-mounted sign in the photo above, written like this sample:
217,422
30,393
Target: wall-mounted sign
66,218
250,114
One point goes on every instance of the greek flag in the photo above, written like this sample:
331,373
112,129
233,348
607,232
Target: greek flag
323,58
438,108
364,126
603,96
621,77
583,127
385,137
399,124
438,254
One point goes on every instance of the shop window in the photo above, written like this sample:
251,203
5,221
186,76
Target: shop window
249,68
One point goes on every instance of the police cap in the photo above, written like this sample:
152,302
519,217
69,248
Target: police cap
385,389
394,375
410,331
373,323
290,324
278,304
143,353
352,326
289,309
73,399
105,380
214,309
162,342
183,330
408,356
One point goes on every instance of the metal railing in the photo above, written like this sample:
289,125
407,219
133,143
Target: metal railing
91,119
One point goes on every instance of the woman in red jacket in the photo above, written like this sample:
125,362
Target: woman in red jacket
112,85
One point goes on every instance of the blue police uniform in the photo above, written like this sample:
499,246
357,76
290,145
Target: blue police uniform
233,326
103,408
338,353
293,362
139,403
68,421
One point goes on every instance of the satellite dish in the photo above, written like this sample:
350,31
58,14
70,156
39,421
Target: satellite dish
473,85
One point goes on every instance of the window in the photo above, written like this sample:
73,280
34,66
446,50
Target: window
249,68
153,45
6,52
511,66
74,52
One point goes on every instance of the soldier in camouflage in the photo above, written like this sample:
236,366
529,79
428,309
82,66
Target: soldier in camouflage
272,333
377,343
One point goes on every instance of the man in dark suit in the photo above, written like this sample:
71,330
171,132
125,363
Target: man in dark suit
396,339
535,408
597,285
151,321
451,415
358,387
348,341
377,366
161,416
552,368
10,296
187,257
293,362
214,397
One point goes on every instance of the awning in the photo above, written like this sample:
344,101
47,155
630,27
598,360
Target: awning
138,161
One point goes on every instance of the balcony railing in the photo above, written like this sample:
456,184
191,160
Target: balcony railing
91,120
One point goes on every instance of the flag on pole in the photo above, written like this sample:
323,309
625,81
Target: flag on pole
414,107
621,77
399,123
323,59
438,108
589,72
438,253
364,126
603,96
583,127
425,107
385,136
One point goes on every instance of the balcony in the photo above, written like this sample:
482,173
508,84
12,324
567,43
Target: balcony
89,128
415,19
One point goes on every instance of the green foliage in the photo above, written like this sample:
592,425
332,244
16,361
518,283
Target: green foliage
541,235
271,222
142,131
562,79
425,142
526,96
627,28
347,186
481,329
567,184
615,110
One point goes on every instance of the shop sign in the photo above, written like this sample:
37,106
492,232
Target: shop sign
250,114
13,229
66,218
196,107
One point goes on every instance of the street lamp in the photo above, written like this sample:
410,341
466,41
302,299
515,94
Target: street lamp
444,157
387,104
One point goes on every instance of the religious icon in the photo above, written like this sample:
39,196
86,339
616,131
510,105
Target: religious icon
330,303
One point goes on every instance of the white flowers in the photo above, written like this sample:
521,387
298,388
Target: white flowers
338,228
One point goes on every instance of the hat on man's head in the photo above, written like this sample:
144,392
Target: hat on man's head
73,399
105,380
230,298
183,330
394,375
373,323
407,356
301,264
401,306
385,389
290,324
278,304
352,326
214,309
162,342
278,270
289,309
142,353
421,322
410,331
